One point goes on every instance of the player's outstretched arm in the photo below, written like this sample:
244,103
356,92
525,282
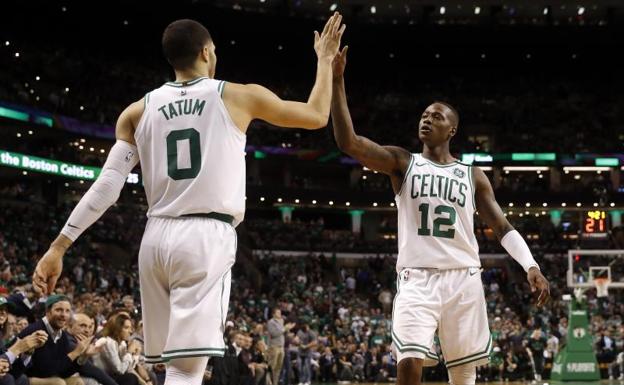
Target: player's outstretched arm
510,239
251,101
103,193
390,160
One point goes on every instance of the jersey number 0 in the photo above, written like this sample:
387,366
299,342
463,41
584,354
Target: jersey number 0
192,135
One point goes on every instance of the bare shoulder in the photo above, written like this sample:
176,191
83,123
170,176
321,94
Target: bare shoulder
250,94
479,175
135,111
401,155
239,89
129,120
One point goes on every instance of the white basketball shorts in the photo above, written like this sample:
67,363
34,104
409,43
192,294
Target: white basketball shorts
184,270
450,302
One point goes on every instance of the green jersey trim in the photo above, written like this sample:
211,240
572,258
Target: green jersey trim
440,164
409,168
474,193
187,83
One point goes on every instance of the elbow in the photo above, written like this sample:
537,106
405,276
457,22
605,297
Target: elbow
345,145
320,121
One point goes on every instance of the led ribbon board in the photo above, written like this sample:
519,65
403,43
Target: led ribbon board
54,167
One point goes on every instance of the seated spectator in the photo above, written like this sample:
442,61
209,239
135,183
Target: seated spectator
115,358
20,324
345,368
54,363
11,372
259,363
83,325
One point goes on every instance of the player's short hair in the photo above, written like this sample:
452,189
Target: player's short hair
182,41
453,109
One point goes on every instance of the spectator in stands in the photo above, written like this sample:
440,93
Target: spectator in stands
11,365
54,363
115,358
276,331
345,368
537,345
246,361
83,325
20,324
6,330
307,342
261,368
326,363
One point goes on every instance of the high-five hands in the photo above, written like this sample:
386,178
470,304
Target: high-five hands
327,43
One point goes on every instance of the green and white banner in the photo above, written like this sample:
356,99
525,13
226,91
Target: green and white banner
54,167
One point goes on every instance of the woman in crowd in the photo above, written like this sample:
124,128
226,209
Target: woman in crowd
115,357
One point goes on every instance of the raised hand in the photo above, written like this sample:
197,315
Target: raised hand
327,43
93,349
83,344
340,62
539,282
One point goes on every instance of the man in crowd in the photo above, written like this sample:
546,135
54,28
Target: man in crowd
277,330
83,325
307,342
11,366
54,363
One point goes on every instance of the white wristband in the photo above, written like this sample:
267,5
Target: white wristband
518,249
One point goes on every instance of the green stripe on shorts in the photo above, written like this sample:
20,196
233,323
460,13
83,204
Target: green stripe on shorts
473,357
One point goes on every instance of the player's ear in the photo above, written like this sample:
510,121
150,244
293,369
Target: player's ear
453,131
205,54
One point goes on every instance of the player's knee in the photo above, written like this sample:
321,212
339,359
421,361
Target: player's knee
462,375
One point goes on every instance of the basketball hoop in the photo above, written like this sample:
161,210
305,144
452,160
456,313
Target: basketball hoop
602,286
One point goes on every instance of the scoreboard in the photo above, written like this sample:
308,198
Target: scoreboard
595,224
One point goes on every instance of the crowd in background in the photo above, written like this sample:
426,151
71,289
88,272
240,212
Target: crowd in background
296,319
334,317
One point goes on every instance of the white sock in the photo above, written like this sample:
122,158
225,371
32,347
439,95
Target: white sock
186,371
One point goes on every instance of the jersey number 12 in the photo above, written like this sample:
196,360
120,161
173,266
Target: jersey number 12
447,216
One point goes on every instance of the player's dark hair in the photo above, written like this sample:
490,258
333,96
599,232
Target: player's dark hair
182,41
453,109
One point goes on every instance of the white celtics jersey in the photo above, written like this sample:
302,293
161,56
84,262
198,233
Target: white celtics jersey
192,154
436,225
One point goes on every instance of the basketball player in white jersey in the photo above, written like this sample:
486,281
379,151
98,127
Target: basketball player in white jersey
439,286
189,136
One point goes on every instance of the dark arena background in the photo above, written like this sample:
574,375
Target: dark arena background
539,86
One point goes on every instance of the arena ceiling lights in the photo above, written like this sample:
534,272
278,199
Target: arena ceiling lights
442,12
525,168
586,168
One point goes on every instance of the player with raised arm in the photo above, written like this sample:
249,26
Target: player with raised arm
189,136
438,285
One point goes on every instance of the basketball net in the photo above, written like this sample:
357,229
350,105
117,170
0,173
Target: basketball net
602,287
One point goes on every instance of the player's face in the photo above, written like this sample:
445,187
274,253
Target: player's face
436,125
